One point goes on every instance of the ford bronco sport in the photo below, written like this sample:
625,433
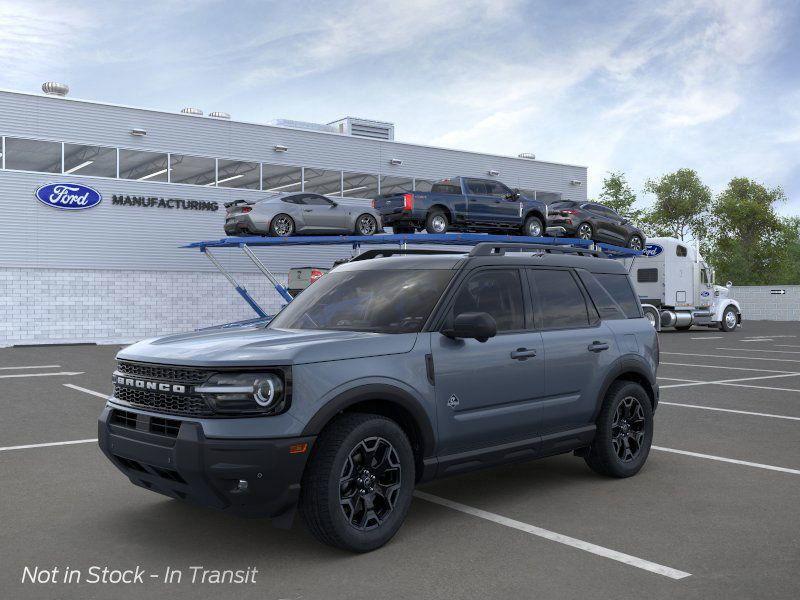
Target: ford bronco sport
388,372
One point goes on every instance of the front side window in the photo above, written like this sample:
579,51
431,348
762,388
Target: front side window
33,155
561,301
316,200
681,251
380,301
496,292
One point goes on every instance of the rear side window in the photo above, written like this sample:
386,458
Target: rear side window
478,187
619,287
560,300
497,292
446,188
647,275
605,304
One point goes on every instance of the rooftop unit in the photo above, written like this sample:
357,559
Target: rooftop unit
376,130
303,125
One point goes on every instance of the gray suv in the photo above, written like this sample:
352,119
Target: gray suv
388,372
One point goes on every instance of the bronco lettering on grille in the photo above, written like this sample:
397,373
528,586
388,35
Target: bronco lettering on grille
175,388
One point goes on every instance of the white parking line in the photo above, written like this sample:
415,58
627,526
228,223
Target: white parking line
730,410
727,460
787,346
724,367
41,374
556,537
81,389
759,350
708,337
758,340
726,381
69,443
31,367
725,356
761,387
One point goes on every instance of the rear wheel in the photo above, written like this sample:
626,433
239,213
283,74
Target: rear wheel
624,431
436,222
366,224
281,226
357,488
533,227
729,320
585,231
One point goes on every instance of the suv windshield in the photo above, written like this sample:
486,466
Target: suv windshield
385,301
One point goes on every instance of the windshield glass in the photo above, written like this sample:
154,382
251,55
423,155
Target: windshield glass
385,301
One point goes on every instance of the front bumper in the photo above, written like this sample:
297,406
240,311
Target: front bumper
173,457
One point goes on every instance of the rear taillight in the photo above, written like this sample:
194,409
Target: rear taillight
315,274
408,201
569,212
373,203
246,209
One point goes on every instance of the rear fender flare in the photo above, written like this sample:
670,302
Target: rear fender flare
633,365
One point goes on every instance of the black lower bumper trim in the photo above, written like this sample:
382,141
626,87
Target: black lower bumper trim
208,471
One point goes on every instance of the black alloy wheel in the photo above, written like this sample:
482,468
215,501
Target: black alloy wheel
370,483
585,231
628,429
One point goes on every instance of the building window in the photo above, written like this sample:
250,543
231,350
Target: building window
143,166
396,185
423,185
97,161
359,185
194,170
237,174
320,181
280,178
33,155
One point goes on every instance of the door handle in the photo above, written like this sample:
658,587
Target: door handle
522,354
308,210
598,346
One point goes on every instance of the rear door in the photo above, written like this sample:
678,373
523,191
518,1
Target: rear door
578,348
488,393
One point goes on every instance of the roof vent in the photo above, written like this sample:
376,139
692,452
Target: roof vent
219,115
302,125
376,130
192,111
51,88
527,155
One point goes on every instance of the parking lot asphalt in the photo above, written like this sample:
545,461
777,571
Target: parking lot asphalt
712,515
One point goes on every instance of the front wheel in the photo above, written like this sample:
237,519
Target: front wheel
357,488
366,224
635,243
533,227
624,431
729,320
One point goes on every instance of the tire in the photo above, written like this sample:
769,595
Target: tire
636,243
437,221
585,231
533,227
281,225
603,456
729,323
366,224
338,452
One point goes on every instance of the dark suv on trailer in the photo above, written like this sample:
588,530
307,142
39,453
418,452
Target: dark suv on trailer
593,221
388,372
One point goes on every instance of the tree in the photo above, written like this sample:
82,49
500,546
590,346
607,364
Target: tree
618,195
681,205
750,243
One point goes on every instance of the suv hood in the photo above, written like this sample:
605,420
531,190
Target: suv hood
256,346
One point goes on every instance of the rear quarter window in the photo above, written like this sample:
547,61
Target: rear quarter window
619,288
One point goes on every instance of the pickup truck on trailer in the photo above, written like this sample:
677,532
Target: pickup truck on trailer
464,204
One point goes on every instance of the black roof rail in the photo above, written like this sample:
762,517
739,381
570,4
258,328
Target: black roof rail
382,252
490,248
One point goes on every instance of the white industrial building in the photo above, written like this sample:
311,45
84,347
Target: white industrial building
115,271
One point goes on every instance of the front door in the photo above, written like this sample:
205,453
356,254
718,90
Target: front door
488,393
488,204
322,214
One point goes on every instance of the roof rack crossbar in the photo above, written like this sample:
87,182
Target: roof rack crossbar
489,248
385,252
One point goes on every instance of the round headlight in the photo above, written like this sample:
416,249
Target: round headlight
267,390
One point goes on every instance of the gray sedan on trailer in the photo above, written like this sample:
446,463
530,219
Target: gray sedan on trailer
300,213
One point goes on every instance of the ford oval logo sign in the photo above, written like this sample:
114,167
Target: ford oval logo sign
68,196
652,250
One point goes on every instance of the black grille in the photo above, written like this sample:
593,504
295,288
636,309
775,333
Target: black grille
163,372
179,404
124,418
161,426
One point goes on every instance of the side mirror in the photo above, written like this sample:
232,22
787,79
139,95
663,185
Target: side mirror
473,325
334,204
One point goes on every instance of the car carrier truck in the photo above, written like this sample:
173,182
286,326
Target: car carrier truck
676,288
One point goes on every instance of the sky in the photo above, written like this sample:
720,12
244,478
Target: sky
640,87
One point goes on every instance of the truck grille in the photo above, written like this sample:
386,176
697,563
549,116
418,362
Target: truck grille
190,405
